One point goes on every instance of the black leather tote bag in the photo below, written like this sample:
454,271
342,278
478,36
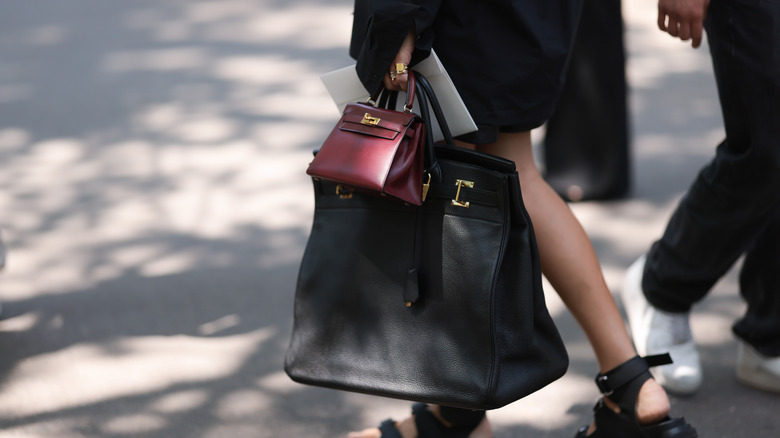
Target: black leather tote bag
440,303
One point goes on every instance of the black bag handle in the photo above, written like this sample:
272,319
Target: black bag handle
430,155
388,99
427,90
426,96
450,151
381,96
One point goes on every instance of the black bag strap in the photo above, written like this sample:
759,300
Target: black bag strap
427,90
388,99
449,150
430,156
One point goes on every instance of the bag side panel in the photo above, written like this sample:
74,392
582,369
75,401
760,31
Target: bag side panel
531,351
405,176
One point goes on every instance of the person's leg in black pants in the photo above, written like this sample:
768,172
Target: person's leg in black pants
731,208
586,146
735,197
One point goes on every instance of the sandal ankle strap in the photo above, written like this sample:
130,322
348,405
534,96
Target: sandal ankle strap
622,383
613,379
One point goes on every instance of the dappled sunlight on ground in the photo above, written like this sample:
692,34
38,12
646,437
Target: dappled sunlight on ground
153,196
123,368
222,118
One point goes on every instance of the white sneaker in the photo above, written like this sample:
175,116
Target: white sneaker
657,332
756,370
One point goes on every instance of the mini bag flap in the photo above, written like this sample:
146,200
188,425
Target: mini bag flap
376,122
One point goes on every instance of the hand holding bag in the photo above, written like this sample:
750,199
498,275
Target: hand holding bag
439,303
376,150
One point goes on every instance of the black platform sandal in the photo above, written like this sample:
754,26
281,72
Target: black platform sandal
462,423
622,385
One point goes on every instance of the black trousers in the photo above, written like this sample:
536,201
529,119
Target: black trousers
586,147
733,206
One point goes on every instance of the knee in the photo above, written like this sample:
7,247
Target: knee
755,163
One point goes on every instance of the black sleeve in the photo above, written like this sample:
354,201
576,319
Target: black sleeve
379,29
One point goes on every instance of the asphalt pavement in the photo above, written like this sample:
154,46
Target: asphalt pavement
155,206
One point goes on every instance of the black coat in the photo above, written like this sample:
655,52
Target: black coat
507,58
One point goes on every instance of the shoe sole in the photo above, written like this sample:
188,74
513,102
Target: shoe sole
758,379
751,373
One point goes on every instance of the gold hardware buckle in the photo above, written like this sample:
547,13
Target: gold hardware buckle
370,121
343,193
461,183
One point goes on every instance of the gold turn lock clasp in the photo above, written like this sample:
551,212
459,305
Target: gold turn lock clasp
461,183
368,120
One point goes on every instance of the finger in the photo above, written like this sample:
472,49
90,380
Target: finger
673,28
390,84
661,19
685,31
697,32
403,81
398,74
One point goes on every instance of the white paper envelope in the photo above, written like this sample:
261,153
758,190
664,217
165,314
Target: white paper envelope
345,87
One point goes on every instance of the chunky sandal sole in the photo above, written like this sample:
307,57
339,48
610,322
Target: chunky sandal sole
668,428
622,385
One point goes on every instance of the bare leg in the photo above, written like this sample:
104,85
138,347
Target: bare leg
568,259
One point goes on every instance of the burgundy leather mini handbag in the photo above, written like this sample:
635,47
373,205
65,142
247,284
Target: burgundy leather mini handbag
376,150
